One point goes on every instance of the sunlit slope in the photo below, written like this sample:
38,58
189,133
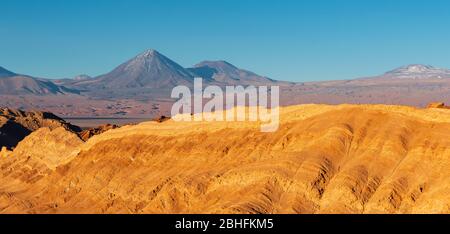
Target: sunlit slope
323,159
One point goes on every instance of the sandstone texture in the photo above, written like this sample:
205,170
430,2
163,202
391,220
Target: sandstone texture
323,159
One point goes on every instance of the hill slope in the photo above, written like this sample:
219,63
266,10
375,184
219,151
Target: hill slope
225,73
15,84
25,85
323,159
15,125
5,73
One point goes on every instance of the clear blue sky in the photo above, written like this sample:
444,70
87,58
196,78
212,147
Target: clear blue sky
299,40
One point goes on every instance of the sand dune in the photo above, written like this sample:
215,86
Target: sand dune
323,159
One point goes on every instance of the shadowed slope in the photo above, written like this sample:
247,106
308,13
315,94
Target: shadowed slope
15,125
6,73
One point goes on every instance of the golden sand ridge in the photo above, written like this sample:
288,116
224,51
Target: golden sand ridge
323,159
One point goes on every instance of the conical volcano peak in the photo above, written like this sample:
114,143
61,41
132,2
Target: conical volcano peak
149,56
146,60
149,53
149,69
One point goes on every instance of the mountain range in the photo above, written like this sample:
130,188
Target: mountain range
149,70
152,70
141,86
16,84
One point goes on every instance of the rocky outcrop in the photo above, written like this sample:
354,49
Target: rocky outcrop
86,134
34,159
60,146
161,119
15,125
439,105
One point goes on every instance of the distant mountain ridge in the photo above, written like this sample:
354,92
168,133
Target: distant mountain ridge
417,71
14,84
142,86
226,73
151,69
146,76
22,85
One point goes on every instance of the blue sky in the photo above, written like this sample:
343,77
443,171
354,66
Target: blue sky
301,40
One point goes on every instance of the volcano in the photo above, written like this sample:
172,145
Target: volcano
149,69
